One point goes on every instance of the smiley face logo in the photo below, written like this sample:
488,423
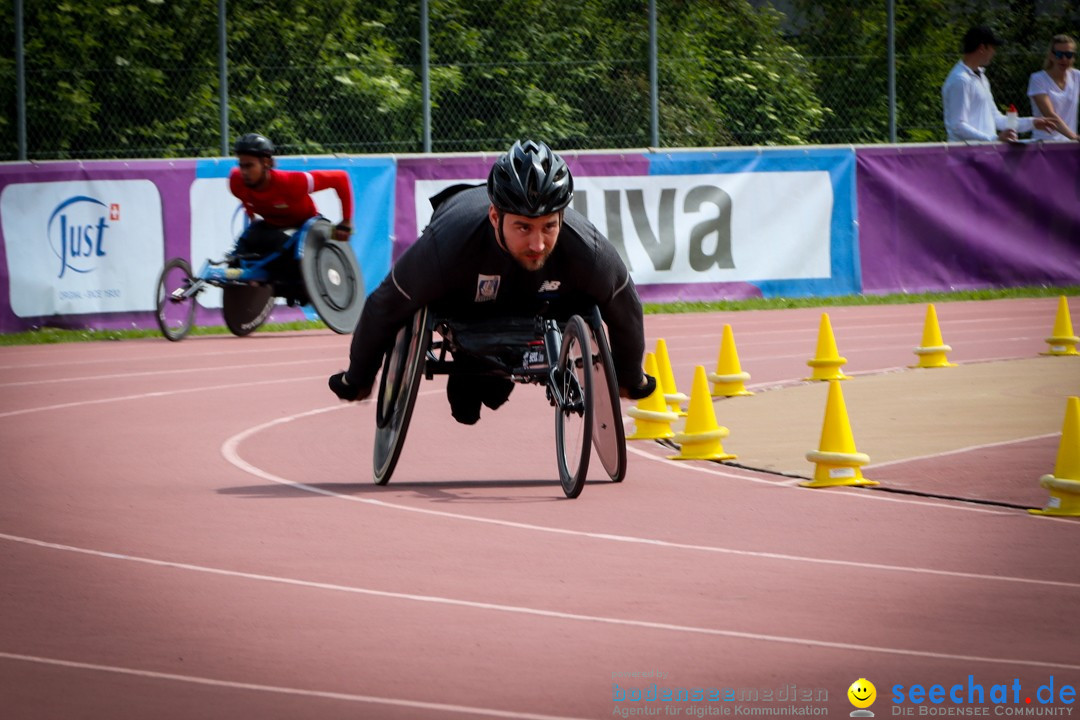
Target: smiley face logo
862,693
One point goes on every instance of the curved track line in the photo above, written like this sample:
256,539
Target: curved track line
465,709
537,612
231,455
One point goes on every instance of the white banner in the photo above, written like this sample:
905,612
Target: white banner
737,227
218,218
82,247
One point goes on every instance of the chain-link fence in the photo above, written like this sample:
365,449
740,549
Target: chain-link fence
105,80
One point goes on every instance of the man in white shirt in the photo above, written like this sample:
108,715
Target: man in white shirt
970,112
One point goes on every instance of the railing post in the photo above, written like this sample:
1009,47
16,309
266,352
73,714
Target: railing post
654,93
223,79
425,74
20,79
892,70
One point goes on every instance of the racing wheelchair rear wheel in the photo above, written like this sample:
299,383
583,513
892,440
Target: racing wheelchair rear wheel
574,409
398,387
246,307
608,433
175,304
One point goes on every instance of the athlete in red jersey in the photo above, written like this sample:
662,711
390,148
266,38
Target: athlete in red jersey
276,200
283,197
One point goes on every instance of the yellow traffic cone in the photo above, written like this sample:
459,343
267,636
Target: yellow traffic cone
672,396
729,379
1063,341
932,352
1064,484
700,439
651,416
826,364
838,463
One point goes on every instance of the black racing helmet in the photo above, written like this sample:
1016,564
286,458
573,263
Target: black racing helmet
530,180
254,144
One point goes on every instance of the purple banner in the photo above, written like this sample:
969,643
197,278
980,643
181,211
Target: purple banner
953,217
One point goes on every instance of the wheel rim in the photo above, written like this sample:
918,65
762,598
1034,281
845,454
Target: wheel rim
246,307
175,316
609,437
398,387
573,418
337,281
333,279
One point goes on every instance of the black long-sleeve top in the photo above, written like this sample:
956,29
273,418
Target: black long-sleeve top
458,269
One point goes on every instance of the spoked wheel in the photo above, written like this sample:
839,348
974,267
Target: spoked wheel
246,307
175,303
398,386
574,409
608,434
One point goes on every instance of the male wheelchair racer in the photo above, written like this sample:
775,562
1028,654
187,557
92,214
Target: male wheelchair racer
329,278
572,359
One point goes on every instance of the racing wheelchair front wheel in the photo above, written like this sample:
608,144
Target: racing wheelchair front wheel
573,409
175,300
398,387
608,434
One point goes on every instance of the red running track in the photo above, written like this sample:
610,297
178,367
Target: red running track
190,531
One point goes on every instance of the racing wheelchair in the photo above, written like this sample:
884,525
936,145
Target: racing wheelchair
329,278
572,360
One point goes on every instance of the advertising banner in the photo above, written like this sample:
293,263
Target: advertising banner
955,217
95,246
83,242
695,225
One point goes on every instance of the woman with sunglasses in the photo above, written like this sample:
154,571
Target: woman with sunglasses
1055,91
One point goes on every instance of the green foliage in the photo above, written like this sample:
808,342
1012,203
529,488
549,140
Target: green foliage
122,78
756,85
114,78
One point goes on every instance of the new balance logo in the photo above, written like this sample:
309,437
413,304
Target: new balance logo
549,286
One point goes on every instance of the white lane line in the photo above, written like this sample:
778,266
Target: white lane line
260,350
160,393
322,694
553,614
152,373
230,453
958,451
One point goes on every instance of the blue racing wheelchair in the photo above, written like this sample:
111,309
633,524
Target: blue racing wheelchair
571,359
329,279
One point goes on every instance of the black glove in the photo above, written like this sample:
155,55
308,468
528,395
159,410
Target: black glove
342,231
644,390
341,387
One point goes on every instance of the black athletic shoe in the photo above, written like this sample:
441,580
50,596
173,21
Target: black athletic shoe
464,399
496,391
